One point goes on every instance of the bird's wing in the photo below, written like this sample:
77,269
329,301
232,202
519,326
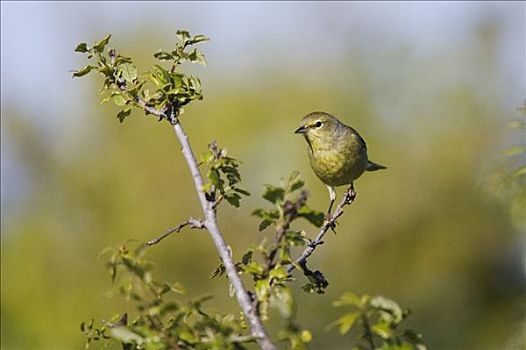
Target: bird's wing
360,139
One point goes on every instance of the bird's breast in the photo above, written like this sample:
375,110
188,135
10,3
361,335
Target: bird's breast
338,165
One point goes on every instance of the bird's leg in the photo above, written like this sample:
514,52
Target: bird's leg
332,196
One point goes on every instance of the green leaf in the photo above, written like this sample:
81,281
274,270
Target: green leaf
279,272
295,238
159,76
271,215
207,157
262,288
163,56
295,182
215,178
264,224
254,268
120,100
234,199
188,337
177,288
197,39
197,57
128,71
382,329
82,72
313,216
82,47
242,191
349,298
99,47
273,194
346,322
247,257
183,35
123,114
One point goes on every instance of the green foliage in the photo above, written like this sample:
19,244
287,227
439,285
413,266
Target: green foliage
281,197
127,88
223,174
377,320
162,320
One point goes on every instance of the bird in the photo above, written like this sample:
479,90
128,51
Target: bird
337,152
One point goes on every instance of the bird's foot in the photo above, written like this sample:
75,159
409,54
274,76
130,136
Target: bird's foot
350,195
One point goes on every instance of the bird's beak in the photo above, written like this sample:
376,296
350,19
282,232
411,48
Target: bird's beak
301,130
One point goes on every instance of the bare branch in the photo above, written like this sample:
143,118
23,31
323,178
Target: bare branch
193,223
329,223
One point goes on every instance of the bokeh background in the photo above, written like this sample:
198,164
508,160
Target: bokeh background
429,85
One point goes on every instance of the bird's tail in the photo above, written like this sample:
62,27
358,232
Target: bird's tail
372,166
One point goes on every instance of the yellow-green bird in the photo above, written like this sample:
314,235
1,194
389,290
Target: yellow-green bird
337,152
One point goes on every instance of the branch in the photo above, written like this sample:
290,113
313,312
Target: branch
257,329
210,223
329,223
193,223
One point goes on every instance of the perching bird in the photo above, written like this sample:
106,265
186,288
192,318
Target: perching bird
338,154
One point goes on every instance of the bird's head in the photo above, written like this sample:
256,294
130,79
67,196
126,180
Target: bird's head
318,127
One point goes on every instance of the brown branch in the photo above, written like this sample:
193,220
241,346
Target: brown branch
193,223
329,223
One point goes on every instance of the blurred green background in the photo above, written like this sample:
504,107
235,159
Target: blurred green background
430,86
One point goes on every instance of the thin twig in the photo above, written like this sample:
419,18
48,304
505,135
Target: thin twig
290,212
329,223
193,223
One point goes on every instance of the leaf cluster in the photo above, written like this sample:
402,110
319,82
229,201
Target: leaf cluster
170,89
162,320
287,208
223,175
377,321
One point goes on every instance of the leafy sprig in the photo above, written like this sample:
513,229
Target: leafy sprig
223,175
377,320
161,320
125,87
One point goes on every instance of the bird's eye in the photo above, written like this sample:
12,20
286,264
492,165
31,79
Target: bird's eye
318,124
